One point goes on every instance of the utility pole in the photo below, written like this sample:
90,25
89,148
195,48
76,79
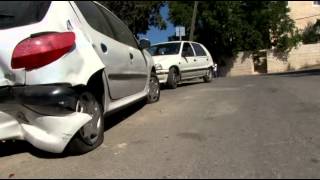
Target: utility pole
194,15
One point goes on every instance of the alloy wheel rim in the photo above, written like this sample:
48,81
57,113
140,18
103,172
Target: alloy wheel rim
90,131
154,89
175,80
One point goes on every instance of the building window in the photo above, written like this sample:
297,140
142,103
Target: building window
316,3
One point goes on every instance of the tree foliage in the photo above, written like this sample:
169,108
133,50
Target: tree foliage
311,33
138,15
226,27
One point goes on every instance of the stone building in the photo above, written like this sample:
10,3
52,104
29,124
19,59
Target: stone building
304,12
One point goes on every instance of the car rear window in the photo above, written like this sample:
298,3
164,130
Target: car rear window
20,13
199,50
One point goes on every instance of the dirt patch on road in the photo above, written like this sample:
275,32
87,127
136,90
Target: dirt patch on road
192,136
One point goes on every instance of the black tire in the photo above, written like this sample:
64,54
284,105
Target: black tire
172,78
154,89
80,144
208,77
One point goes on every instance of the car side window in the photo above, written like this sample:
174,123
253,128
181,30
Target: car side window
121,31
187,50
198,49
94,17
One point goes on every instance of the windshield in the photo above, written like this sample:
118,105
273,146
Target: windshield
20,13
165,49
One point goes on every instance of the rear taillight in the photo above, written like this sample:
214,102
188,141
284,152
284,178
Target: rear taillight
39,51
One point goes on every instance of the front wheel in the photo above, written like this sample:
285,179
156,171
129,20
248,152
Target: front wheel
172,78
90,136
208,77
154,89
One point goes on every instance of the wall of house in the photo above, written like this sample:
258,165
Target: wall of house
303,12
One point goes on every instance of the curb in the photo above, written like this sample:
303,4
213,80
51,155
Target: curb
315,71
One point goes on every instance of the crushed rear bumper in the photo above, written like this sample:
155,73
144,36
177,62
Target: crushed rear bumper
42,115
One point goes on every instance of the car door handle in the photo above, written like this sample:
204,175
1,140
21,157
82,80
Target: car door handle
131,55
194,60
103,48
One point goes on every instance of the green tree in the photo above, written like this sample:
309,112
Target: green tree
226,27
311,33
138,15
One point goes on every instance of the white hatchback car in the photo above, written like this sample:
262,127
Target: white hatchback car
63,66
181,60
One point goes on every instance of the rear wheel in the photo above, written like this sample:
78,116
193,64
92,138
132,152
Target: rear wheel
172,78
154,89
208,77
90,136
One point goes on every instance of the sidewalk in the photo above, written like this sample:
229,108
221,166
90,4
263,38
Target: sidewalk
312,70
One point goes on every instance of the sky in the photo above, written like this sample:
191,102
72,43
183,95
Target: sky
154,34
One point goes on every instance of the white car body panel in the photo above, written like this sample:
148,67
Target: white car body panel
75,68
52,133
166,62
113,105
118,56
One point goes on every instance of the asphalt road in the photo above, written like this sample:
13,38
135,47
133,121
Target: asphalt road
243,127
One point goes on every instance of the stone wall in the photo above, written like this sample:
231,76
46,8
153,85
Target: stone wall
242,64
304,56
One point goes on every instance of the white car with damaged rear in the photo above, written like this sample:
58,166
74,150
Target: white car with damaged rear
177,61
64,66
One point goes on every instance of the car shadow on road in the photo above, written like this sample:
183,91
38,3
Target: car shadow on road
17,147
183,84
302,73
116,118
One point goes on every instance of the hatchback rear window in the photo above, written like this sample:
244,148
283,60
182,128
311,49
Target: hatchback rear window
20,13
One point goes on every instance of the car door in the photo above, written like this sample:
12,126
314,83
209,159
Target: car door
187,62
202,59
137,73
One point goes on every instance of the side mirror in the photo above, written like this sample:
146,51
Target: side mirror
144,44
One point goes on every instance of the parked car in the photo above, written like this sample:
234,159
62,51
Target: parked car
181,60
63,67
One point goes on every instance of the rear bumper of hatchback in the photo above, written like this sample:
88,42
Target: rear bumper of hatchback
40,95
42,115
